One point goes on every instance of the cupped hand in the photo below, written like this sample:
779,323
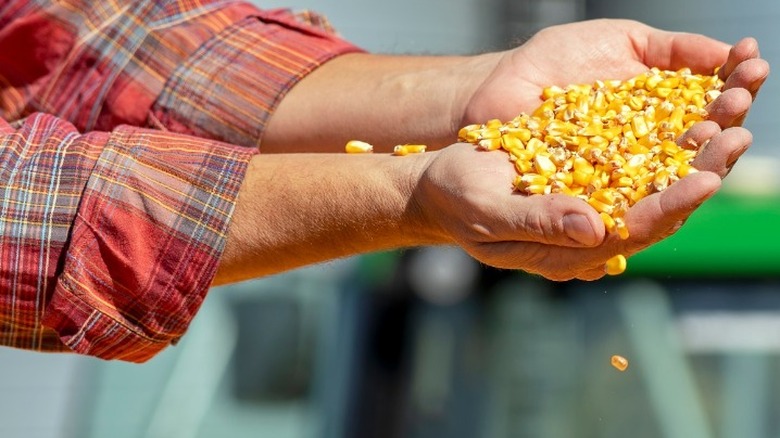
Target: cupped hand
583,52
468,193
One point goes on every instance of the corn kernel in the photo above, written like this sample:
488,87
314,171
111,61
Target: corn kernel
616,265
493,124
490,144
544,165
621,229
466,133
406,149
619,362
609,222
509,142
358,147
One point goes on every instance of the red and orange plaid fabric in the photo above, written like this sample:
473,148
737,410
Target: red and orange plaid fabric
125,134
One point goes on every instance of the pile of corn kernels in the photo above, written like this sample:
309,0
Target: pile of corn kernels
610,143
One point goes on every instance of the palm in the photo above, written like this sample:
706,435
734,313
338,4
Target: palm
585,52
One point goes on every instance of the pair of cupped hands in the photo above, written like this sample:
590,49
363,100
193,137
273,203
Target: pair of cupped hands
467,193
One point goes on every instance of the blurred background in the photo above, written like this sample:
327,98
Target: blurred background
427,343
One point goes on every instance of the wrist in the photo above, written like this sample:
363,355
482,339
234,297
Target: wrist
474,77
423,227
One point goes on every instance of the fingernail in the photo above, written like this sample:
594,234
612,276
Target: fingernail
578,228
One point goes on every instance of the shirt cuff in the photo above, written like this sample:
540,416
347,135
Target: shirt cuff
231,85
146,242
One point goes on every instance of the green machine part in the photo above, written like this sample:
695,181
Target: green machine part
730,235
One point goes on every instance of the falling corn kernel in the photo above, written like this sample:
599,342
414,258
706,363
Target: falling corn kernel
358,147
610,143
616,265
619,362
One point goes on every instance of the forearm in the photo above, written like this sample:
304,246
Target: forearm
299,209
384,100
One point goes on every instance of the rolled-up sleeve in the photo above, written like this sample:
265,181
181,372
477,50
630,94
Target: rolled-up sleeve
109,241
125,132
230,86
211,68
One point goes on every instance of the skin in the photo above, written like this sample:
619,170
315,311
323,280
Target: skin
341,205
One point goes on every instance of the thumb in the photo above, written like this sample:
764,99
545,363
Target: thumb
555,219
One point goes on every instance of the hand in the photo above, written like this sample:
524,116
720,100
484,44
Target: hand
468,194
587,51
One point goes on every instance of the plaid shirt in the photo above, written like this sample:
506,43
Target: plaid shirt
125,135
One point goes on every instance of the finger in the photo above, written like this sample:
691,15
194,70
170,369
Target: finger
661,214
675,50
730,108
750,75
555,220
592,274
699,134
723,150
746,48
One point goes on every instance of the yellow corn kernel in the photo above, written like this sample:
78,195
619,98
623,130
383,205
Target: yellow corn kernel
466,133
544,165
639,126
685,170
358,147
416,148
538,189
535,145
581,178
609,222
670,82
523,134
533,179
685,155
591,130
623,181
637,102
522,154
582,165
619,362
621,228
472,136
490,144
509,142
661,180
490,133
551,91
605,196
493,124
676,118
406,149
567,178
523,166
711,95
616,265
652,82
600,206
545,110
699,100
